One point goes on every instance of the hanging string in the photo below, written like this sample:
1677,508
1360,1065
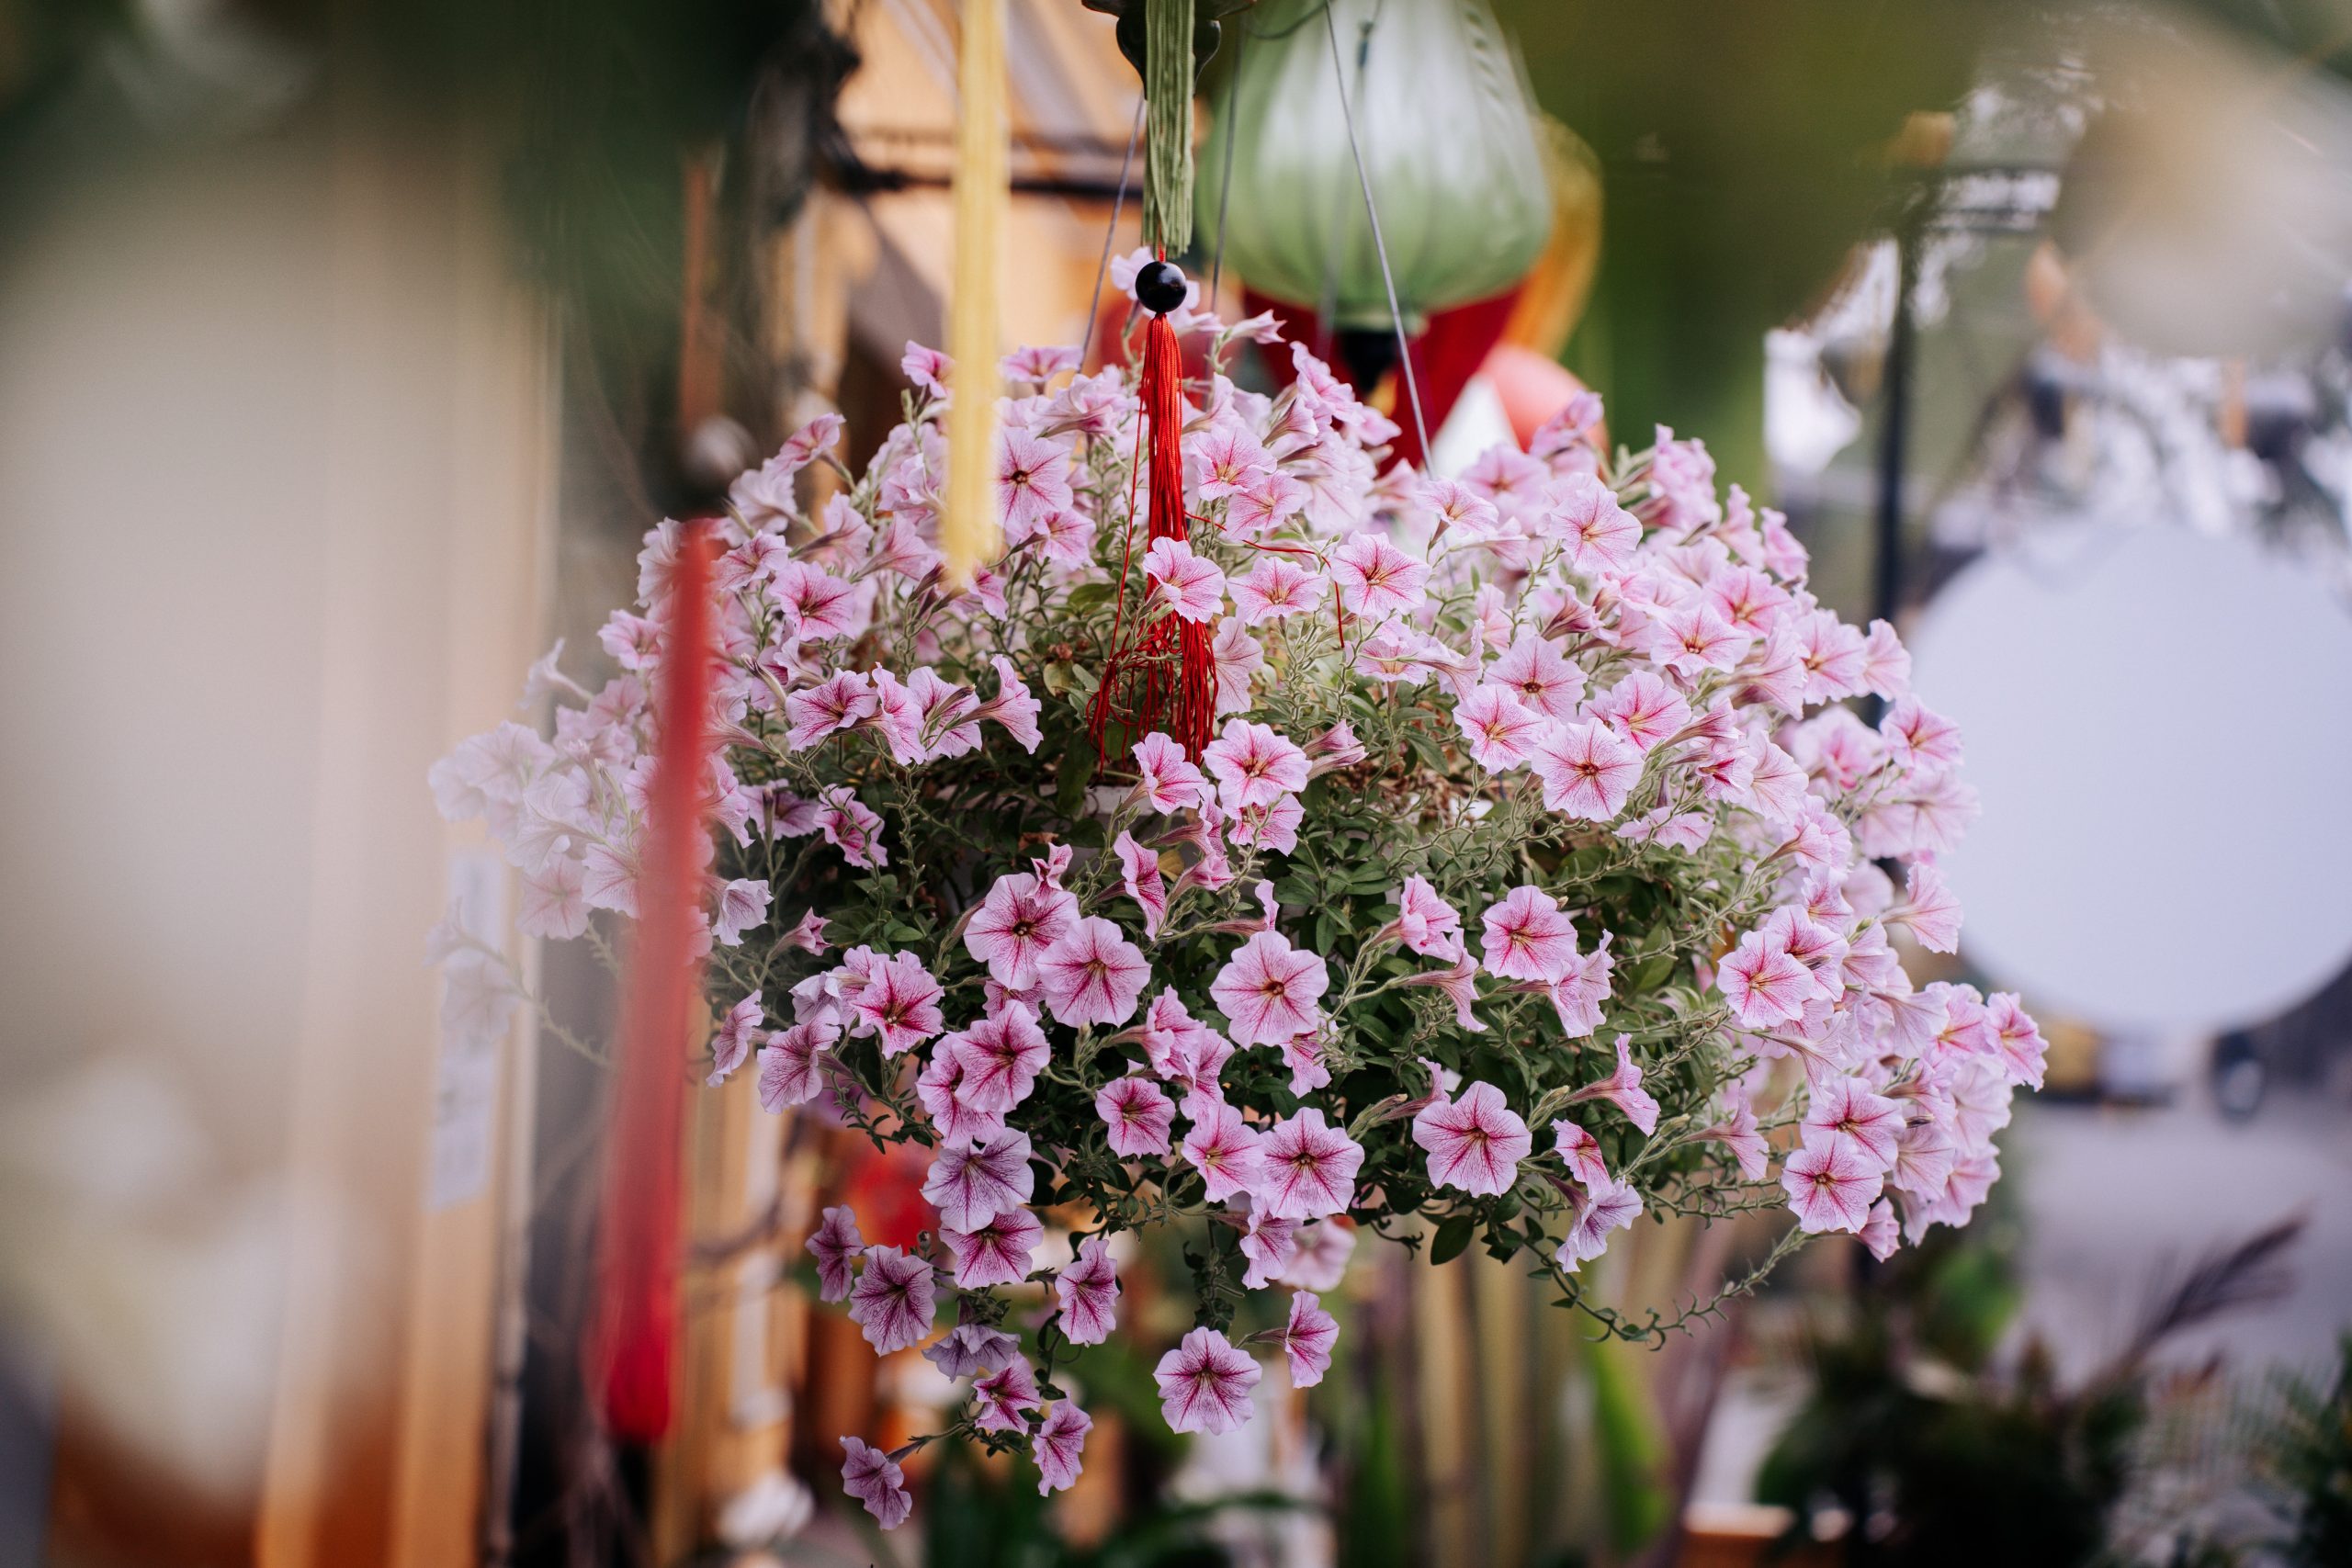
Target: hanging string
634,1328
1168,130
1372,213
1163,676
1110,238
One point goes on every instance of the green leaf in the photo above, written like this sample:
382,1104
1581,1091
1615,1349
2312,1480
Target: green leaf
1452,1238
1077,771
903,934
1090,596
1651,973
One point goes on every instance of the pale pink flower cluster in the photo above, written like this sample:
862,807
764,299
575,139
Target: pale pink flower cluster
1545,676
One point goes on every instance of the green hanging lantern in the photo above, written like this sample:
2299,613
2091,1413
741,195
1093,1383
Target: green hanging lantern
1447,130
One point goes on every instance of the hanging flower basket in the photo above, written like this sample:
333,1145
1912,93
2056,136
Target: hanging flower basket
1529,881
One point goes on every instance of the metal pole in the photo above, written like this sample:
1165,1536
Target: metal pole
1894,432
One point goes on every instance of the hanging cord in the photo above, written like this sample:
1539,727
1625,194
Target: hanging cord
1372,212
1110,238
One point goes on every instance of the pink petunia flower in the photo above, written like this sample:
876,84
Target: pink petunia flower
1931,912
1501,731
1253,765
1578,996
939,1088
928,369
1540,676
971,1347
807,936
851,827
1425,923
1764,985
1306,1170
1265,506
1375,578
1000,1057
1040,365
1138,1115
2016,1038
838,702
1307,1338
1235,658
1586,768
1832,655
1738,1133
1694,639
1623,1088
1032,482
973,1183
1528,938
1139,877
1847,1113
1924,741
893,1299
1093,975
1013,708
900,1004
1642,708
1879,1233
790,1066
1190,585
1270,1245
1886,664
1059,1445
1271,827
998,1253
1225,459
1598,1211
1205,1384
874,1479
835,1243
1268,990
1457,509
1831,1186
734,1038
818,607
1087,1290
999,1397
1924,1156
1223,1149
1475,1143
899,716
1015,924
1170,782
1600,534
1321,1260
1581,1150
1273,589
1460,983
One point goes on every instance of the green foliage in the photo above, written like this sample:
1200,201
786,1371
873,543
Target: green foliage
1944,1455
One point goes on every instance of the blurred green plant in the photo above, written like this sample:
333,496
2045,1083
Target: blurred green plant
980,1519
2302,1447
1937,1451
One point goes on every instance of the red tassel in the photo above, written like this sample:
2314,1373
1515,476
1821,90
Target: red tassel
1166,679
635,1320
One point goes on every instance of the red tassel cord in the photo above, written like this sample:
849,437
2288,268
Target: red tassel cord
1163,677
635,1320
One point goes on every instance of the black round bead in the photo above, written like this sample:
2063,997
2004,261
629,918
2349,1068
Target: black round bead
1161,286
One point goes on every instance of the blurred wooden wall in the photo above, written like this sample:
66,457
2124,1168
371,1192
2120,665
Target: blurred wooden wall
275,463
